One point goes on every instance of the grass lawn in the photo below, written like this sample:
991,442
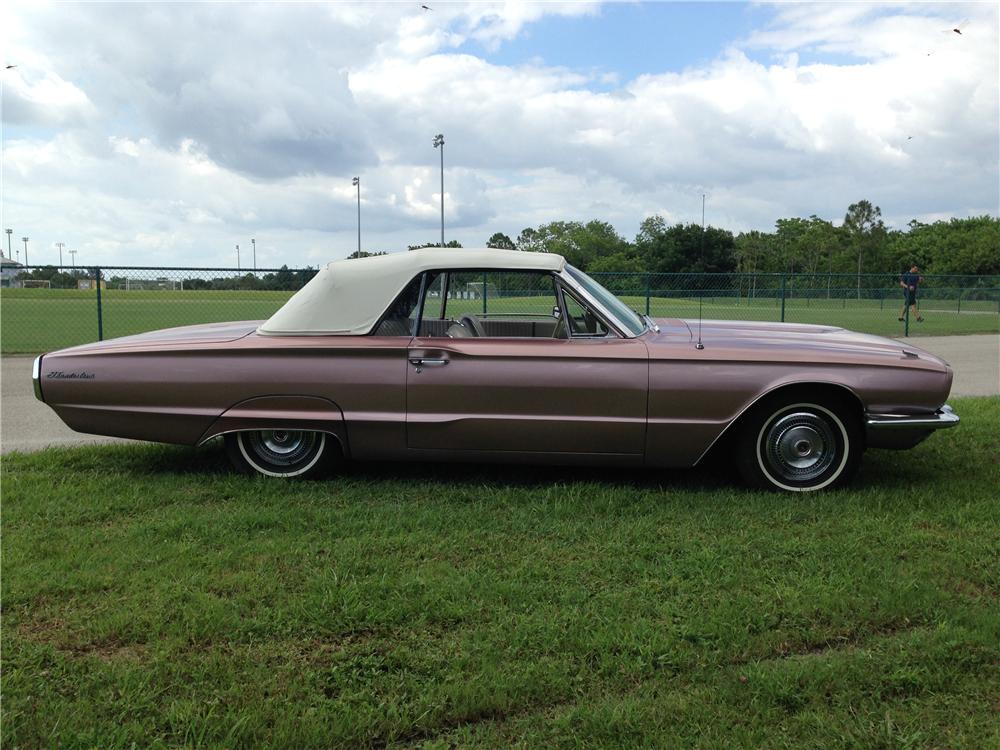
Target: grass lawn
152,597
40,320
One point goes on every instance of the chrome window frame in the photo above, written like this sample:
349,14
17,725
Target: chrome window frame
619,328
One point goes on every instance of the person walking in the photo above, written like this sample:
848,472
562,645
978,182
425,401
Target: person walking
910,281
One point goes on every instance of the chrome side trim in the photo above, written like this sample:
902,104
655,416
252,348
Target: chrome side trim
944,417
36,377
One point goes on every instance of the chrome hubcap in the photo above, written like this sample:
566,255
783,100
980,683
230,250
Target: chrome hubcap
282,447
800,447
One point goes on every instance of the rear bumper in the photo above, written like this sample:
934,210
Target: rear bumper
36,377
943,417
901,431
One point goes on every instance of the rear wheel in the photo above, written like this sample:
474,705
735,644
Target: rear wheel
280,453
800,445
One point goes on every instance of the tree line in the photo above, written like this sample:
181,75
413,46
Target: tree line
861,244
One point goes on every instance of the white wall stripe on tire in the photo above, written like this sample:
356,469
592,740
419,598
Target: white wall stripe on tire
303,470
833,477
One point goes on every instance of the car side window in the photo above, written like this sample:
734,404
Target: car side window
491,304
581,321
399,318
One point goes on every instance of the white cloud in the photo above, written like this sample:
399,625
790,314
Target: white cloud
167,134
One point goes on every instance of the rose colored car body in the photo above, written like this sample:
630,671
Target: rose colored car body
402,357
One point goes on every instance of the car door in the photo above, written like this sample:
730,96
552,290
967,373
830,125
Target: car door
582,394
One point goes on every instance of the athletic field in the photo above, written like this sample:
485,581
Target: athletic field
39,320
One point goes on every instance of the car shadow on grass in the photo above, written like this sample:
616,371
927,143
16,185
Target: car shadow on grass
880,470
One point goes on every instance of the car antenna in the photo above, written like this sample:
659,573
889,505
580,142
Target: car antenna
700,345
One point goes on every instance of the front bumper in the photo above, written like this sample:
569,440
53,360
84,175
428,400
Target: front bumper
943,417
902,431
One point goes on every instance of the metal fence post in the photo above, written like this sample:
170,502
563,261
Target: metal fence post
906,318
100,317
782,298
484,293
648,282
959,301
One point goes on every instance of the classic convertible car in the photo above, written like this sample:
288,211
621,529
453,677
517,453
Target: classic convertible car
496,355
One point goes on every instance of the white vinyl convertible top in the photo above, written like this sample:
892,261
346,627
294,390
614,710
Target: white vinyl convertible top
348,296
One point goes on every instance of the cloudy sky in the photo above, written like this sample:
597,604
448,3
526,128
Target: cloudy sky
166,134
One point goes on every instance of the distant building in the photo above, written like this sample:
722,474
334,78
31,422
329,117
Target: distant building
9,270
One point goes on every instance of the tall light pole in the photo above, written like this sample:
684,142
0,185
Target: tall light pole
253,244
237,257
73,253
9,233
439,142
357,184
60,245
25,241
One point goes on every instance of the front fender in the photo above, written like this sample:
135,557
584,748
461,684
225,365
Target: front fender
282,412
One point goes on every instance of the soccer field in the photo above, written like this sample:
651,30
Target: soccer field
39,320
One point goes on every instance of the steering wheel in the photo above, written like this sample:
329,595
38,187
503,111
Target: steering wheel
470,322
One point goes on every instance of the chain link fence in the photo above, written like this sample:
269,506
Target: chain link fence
45,307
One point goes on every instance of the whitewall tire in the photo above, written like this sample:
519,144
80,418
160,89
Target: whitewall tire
800,445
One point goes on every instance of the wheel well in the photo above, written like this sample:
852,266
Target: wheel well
824,392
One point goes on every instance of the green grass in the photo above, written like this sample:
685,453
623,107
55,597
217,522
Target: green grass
152,597
39,320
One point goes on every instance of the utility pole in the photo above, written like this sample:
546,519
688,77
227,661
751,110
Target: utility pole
357,181
439,143
60,245
25,241
253,244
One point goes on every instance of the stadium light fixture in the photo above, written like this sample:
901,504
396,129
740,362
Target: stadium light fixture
253,244
357,183
237,257
60,245
9,233
25,241
439,142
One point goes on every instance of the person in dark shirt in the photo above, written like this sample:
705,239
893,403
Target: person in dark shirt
910,281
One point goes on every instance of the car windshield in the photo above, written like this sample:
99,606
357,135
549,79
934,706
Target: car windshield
633,323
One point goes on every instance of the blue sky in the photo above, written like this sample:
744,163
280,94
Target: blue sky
167,133
633,39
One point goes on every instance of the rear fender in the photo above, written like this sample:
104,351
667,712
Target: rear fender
282,412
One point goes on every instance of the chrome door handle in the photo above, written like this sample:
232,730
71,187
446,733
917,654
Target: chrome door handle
428,362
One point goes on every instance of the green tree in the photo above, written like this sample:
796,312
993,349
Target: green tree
501,241
581,244
449,243
684,248
529,241
866,234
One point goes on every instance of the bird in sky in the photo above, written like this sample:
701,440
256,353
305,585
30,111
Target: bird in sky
426,8
11,66
957,28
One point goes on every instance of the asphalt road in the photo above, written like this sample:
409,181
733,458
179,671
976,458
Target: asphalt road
28,425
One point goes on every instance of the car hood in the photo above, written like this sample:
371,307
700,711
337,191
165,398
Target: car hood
206,333
792,342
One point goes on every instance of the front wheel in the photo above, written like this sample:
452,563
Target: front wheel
799,446
280,453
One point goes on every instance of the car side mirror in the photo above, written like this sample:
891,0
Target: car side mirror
555,311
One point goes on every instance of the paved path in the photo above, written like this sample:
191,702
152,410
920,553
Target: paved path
27,424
